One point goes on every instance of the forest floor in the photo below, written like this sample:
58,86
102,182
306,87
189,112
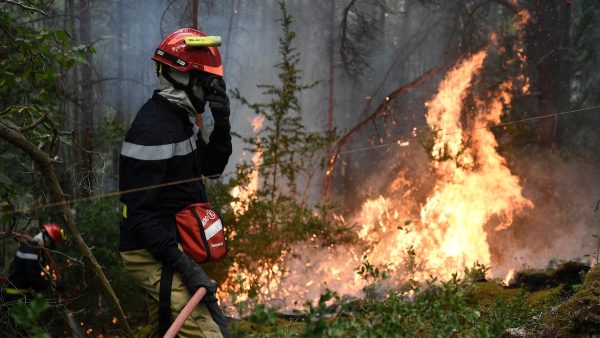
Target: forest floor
559,302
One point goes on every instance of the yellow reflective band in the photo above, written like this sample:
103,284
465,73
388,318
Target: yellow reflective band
124,211
203,41
63,235
12,291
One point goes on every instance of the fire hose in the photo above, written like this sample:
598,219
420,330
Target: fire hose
187,310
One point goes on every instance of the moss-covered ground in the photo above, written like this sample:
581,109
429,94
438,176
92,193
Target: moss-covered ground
458,308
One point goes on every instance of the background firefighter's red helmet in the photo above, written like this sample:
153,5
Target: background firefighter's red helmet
55,233
173,52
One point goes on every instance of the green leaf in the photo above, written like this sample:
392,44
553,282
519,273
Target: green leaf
62,36
5,180
66,139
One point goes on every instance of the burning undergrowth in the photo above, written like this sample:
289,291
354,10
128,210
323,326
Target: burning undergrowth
409,237
475,194
450,202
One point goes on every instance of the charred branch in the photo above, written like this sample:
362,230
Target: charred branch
383,106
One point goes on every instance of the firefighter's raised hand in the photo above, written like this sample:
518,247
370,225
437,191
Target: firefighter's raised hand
218,102
193,275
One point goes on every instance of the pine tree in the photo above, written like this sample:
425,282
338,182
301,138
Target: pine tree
278,215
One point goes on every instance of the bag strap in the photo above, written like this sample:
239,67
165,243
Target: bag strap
164,299
202,233
195,157
197,173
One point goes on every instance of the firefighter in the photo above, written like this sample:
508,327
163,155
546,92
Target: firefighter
162,160
29,271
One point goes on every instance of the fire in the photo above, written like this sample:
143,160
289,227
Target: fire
49,272
445,108
268,279
257,123
523,18
474,190
474,184
245,194
475,195
509,277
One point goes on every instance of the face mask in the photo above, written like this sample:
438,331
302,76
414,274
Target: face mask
205,81
48,242
198,92
200,88
197,95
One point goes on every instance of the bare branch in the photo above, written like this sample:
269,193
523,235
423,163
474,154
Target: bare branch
45,166
371,118
358,35
29,8
162,17
34,124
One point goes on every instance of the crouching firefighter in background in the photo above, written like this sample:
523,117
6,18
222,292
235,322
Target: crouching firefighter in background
31,269
162,160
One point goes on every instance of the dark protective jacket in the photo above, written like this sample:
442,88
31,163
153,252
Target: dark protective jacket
26,270
163,155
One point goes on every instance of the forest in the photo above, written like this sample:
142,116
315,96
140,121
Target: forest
400,168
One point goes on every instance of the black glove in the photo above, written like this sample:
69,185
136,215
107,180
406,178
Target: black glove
219,103
193,275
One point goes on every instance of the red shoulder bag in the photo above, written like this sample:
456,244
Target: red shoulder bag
201,233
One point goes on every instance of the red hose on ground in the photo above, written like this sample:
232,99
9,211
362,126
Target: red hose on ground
187,310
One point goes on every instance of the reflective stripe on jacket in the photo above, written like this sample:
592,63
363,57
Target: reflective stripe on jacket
15,292
26,269
161,162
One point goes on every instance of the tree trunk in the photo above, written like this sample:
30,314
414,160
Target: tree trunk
330,82
70,109
11,134
86,115
228,44
549,43
195,12
120,113
331,92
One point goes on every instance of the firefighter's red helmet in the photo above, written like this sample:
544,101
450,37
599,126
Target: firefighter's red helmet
174,52
55,233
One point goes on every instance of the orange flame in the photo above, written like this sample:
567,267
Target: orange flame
245,194
509,277
257,123
474,188
475,193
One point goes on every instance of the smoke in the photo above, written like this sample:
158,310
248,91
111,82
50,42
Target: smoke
564,189
127,33
565,192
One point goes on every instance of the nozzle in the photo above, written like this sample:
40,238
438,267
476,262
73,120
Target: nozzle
203,41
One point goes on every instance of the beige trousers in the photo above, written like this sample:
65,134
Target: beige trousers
146,271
